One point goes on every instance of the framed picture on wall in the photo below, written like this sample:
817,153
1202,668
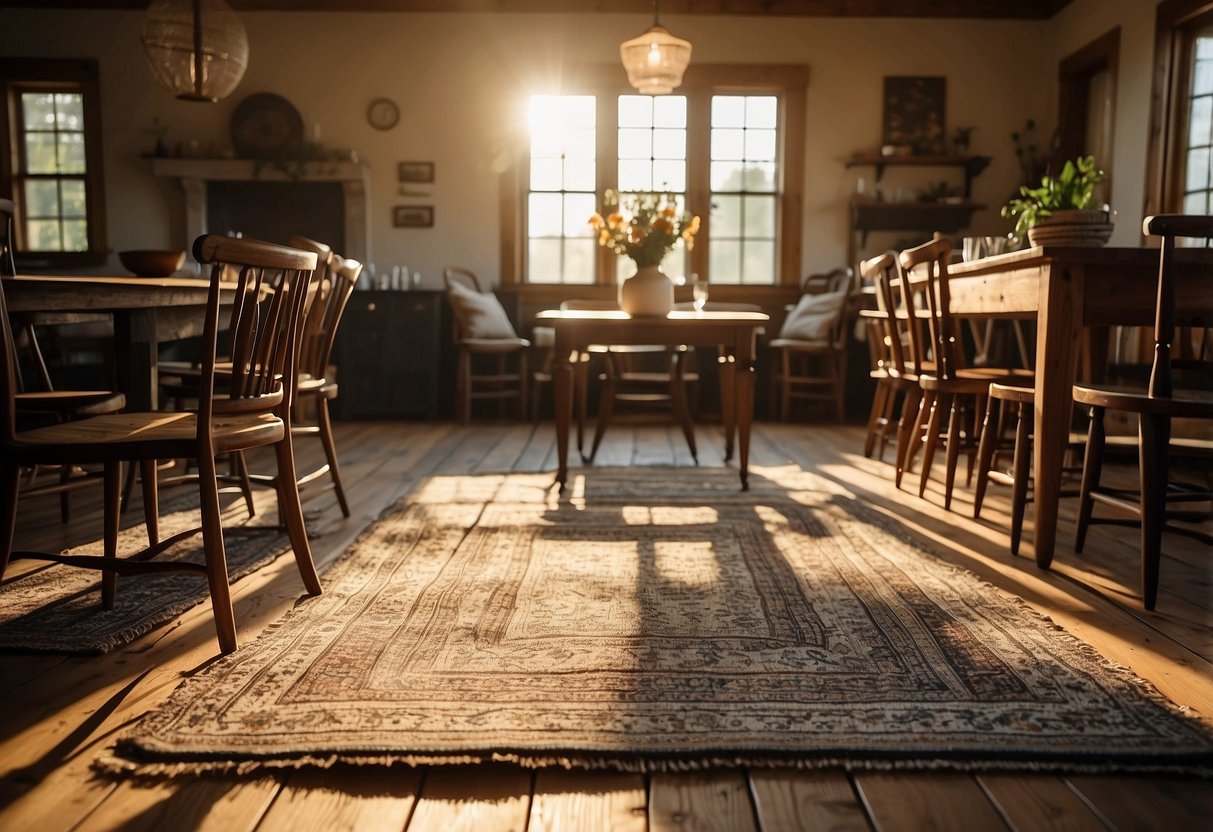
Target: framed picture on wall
413,216
418,172
914,114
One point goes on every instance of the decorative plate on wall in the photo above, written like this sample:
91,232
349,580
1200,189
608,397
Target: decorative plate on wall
383,114
264,126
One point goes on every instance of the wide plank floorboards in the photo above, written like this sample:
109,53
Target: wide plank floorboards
60,712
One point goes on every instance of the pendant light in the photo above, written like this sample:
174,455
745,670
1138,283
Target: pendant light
656,60
197,49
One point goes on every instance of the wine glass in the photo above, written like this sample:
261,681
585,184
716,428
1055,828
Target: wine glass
699,291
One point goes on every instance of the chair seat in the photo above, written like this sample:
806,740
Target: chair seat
975,381
822,345
495,345
1184,404
151,432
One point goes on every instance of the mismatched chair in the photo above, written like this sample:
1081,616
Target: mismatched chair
889,377
253,410
482,331
811,349
1178,388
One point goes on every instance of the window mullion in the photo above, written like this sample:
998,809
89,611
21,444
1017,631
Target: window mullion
608,173
699,191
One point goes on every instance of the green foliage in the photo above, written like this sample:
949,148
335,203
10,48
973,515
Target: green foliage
1072,189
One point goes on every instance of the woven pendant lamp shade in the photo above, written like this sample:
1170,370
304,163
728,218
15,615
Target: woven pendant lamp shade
197,49
655,61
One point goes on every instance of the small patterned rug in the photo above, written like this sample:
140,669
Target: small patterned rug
659,619
58,608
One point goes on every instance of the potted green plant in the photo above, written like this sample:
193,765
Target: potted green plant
1059,211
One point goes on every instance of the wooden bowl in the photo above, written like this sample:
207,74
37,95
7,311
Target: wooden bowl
152,263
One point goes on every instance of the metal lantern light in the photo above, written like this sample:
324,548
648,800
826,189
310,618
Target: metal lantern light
656,60
197,49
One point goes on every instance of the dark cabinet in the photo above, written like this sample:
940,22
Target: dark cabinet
391,355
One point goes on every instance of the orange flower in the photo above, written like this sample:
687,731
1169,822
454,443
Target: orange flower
614,220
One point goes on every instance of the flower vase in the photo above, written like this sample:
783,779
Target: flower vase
647,293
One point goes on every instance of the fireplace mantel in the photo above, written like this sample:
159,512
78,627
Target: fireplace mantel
195,173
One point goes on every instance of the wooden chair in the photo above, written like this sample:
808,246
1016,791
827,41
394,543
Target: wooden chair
890,379
253,410
948,386
41,403
482,329
1178,388
811,365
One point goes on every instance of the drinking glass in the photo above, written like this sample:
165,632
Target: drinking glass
699,291
974,248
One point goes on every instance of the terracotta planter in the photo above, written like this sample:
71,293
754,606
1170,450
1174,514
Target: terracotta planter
1072,228
647,293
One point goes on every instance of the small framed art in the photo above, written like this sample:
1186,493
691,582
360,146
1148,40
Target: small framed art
914,114
417,172
413,216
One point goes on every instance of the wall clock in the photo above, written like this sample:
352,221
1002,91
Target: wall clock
383,114
265,126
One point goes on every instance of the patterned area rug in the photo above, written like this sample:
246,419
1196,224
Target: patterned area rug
659,619
58,608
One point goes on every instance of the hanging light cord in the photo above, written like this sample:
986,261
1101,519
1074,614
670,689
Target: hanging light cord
198,47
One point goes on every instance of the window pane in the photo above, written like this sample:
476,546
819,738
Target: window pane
71,153
546,174
44,235
545,218
577,211
1202,78
1199,129
670,176
1197,174
724,261
759,262
760,145
579,175
69,110
1197,203
75,235
670,111
38,111
636,111
728,144
41,199
543,261
635,144
760,176
760,216
728,111
578,261
726,216
73,199
40,153
761,111
669,144
546,143
726,176
579,142
635,175
1204,48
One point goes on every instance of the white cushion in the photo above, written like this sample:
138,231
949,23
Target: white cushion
479,315
812,318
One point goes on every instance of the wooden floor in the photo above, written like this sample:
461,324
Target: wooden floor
60,712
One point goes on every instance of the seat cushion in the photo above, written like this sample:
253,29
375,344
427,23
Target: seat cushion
480,316
813,317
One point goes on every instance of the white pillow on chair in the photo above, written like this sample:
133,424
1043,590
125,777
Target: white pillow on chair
813,317
480,315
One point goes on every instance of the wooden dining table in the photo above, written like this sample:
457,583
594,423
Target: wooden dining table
145,311
734,334
1070,291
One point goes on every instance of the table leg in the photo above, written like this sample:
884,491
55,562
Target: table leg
728,399
562,396
135,353
744,383
1058,331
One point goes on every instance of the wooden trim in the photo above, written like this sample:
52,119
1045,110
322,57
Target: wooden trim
1170,77
1074,74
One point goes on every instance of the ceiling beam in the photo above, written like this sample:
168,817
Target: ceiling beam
993,9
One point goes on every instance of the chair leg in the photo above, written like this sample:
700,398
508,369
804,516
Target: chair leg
325,423
956,414
933,405
606,406
463,387
985,453
216,555
290,514
785,387
10,479
149,483
682,411
112,498
1155,433
840,379
1092,466
1021,469
239,469
910,408
879,398
581,384
522,383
